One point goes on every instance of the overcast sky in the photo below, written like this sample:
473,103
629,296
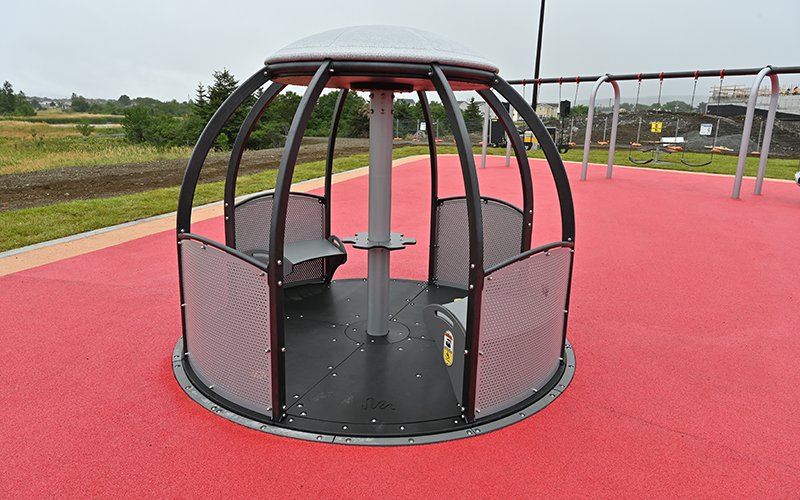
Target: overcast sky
163,48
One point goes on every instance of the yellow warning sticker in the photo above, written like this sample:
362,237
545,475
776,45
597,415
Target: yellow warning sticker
447,351
655,127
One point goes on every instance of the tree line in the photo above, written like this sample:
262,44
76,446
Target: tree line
14,104
172,123
146,123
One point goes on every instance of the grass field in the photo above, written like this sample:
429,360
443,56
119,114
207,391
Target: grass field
33,225
777,168
57,116
27,146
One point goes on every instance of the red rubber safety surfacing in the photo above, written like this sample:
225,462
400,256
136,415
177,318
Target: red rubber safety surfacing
684,319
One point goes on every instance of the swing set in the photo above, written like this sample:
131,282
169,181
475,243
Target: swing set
665,144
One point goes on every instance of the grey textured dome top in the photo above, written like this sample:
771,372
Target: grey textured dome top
380,43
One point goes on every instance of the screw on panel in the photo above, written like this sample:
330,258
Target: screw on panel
280,283
471,287
283,349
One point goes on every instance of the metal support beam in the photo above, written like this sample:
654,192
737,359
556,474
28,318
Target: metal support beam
235,160
205,143
485,134
612,145
744,146
504,118
337,115
764,150
554,160
587,142
277,232
475,224
429,132
665,75
508,150
380,210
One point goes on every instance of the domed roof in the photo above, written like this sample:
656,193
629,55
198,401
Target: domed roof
381,43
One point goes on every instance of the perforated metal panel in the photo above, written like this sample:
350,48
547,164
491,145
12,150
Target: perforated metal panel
305,220
522,326
502,238
227,324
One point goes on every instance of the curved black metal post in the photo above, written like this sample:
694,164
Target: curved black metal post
426,114
522,161
206,141
559,176
475,220
235,160
550,152
337,115
277,229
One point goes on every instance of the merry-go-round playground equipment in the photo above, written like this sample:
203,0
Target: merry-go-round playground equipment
272,341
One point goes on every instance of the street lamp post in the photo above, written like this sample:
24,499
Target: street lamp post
535,95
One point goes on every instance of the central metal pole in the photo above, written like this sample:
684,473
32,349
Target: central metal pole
380,211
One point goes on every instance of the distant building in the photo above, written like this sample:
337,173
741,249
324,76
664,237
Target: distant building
731,100
547,110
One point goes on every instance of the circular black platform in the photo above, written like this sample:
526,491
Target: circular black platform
345,387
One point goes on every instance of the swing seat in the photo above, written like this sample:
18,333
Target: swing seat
640,162
696,164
